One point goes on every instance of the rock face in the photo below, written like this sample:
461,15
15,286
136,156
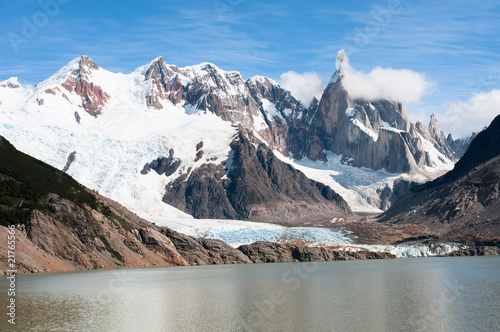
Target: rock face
201,193
93,97
463,202
460,146
255,186
163,165
267,252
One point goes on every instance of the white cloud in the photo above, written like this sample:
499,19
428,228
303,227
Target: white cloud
303,86
463,118
400,85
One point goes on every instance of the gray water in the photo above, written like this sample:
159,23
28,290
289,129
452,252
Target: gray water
425,294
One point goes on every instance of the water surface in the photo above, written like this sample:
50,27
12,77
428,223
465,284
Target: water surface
423,294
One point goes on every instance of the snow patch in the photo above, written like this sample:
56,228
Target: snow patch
364,129
387,126
262,79
349,112
270,109
439,161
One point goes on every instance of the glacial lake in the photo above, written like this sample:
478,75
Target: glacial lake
414,294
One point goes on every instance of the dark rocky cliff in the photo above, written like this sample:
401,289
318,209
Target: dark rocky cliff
255,185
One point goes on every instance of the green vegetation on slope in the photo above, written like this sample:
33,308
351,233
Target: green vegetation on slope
25,183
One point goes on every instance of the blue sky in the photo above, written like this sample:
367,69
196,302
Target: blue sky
455,44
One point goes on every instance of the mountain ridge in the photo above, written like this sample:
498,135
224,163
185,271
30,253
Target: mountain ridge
117,124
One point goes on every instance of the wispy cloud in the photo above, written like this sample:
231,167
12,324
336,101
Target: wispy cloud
304,86
463,117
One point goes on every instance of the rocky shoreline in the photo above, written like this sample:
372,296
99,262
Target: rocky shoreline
163,247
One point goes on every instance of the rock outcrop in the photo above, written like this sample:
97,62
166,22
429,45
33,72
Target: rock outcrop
268,252
93,97
255,186
69,161
163,165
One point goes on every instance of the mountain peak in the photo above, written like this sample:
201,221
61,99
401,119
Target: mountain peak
77,77
85,65
341,63
433,126
157,61
341,57
156,69
12,83
262,80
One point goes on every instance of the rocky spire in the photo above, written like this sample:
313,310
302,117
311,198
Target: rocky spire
435,132
85,66
341,64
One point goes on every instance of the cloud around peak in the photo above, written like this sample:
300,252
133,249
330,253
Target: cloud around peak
402,85
304,86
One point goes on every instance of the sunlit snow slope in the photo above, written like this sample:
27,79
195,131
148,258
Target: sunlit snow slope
111,149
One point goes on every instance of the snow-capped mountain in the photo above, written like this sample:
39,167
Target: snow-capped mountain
213,145
376,134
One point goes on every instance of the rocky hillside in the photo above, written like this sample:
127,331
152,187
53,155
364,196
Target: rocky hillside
464,202
60,225
63,226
